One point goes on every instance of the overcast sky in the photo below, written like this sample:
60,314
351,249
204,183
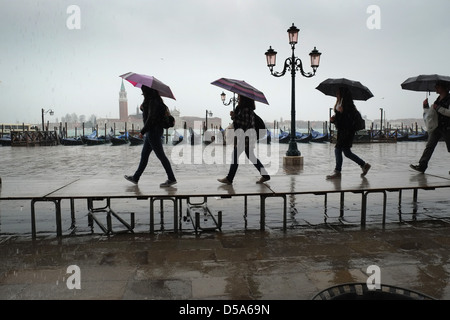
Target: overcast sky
44,63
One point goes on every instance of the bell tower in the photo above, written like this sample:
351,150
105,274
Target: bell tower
123,104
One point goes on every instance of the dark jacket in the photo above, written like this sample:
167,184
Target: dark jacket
443,121
152,114
343,122
244,118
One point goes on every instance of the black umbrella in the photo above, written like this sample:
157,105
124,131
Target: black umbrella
331,86
424,82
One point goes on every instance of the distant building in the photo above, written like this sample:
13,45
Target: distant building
133,122
123,104
125,121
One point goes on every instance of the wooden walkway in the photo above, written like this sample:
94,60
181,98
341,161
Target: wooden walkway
105,189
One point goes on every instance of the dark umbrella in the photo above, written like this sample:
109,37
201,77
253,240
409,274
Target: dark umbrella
242,88
424,82
359,91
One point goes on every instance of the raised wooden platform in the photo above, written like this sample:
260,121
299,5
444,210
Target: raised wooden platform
106,188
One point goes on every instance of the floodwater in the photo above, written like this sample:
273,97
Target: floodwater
212,162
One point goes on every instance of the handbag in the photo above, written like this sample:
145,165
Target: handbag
358,122
168,120
430,117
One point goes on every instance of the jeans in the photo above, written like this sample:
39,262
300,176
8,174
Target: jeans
349,154
152,142
432,142
251,156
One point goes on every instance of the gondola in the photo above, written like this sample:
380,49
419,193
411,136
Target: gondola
284,137
71,141
316,136
89,136
135,140
97,141
77,141
303,137
420,136
5,140
177,138
119,140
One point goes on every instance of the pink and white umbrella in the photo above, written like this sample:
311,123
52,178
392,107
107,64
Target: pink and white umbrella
138,80
242,88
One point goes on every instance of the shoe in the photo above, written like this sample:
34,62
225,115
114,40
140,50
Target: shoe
225,180
417,168
168,183
131,179
335,175
263,179
365,168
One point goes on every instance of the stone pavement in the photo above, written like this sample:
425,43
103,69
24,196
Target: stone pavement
248,265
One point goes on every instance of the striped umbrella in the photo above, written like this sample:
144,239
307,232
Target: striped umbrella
138,80
242,88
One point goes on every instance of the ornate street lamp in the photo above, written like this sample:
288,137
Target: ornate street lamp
45,112
223,97
293,64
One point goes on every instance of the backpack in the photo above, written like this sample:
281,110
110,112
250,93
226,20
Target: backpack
259,125
358,122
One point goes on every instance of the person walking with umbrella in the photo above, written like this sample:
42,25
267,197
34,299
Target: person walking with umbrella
343,118
441,105
153,111
244,118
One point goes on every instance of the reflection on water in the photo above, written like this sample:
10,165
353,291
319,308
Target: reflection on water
238,213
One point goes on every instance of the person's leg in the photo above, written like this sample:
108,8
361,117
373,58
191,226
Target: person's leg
338,166
339,159
446,136
433,140
250,153
145,154
365,166
156,144
349,154
234,164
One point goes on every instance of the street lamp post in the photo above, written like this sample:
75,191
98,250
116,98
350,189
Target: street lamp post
381,122
43,113
206,122
293,64
223,96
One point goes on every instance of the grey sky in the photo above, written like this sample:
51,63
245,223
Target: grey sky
190,43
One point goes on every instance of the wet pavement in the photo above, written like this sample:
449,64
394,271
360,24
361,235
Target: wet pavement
236,264
252,265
